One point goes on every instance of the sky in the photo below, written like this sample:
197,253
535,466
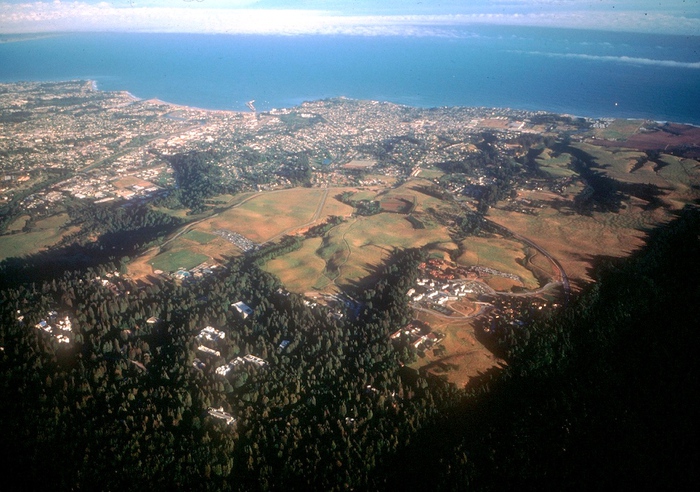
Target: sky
348,17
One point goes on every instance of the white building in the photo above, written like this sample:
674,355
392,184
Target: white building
243,309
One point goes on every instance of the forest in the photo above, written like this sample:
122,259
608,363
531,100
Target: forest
599,395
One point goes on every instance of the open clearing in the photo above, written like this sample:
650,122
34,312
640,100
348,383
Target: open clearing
302,270
464,356
358,247
500,254
171,261
45,233
200,237
359,164
619,129
555,167
18,224
129,181
267,215
578,240
620,165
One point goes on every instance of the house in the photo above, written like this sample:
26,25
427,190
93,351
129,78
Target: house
243,309
218,413
255,360
211,334
209,351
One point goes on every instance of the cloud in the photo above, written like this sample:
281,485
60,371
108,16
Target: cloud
619,59
82,16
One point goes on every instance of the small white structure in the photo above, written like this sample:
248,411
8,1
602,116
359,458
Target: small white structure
209,351
255,360
212,334
219,413
243,309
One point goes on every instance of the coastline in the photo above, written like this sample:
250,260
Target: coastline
184,107
155,100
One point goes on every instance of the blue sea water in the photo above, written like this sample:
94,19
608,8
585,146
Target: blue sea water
586,73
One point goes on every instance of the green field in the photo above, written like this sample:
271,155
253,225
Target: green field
44,233
430,173
172,261
619,164
556,167
18,224
354,249
199,236
499,254
302,270
679,170
361,245
619,129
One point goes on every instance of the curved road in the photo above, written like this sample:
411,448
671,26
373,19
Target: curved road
562,274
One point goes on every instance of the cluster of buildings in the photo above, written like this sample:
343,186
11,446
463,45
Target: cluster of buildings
97,138
57,326
238,361
239,240
418,334
441,284
195,273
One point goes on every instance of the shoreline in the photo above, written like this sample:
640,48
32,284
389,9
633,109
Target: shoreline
183,107
155,100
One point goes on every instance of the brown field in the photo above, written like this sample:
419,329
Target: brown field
499,254
140,268
397,204
334,207
577,240
129,181
300,271
465,357
668,135
268,215
359,164
501,123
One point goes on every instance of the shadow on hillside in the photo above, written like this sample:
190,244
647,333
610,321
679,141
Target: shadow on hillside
54,262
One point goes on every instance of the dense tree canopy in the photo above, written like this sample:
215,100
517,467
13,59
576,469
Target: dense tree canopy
599,394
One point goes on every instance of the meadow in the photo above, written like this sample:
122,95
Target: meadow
500,254
43,234
266,215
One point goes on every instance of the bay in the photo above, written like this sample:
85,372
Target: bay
585,73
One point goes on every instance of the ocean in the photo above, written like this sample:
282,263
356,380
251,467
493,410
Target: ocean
585,73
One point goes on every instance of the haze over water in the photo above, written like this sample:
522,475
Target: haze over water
586,73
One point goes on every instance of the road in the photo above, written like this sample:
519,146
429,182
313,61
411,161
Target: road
562,274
